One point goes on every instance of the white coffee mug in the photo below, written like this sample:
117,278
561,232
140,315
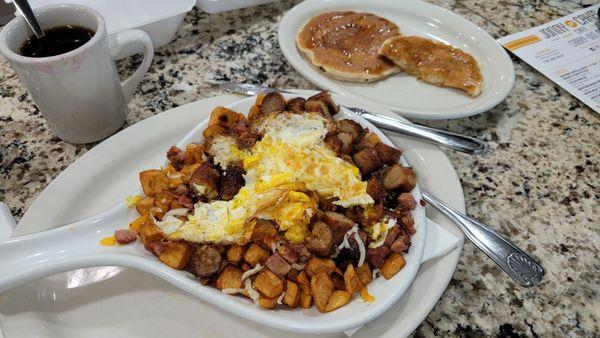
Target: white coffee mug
78,92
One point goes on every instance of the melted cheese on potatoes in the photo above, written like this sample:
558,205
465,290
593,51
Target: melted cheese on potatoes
285,172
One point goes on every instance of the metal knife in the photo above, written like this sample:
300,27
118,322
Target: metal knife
446,139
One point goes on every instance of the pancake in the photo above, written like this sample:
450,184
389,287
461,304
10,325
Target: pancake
345,44
434,62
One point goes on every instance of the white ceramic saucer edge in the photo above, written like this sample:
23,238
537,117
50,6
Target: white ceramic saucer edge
164,123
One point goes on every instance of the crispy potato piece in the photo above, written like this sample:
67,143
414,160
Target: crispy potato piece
338,299
193,154
352,280
303,281
292,275
136,224
154,181
223,117
268,284
259,99
214,130
321,287
235,253
372,138
230,277
305,300
254,111
149,233
316,264
163,201
176,255
144,206
392,265
255,254
365,274
262,229
292,294
267,303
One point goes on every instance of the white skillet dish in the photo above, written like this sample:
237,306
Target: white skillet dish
402,93
135,304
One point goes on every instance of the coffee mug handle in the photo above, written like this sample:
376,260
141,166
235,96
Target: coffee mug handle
119,40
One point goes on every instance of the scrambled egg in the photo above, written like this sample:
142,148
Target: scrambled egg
286,171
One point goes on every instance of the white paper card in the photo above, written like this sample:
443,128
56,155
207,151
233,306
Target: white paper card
567,51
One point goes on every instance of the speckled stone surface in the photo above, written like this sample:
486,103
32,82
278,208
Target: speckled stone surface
539,185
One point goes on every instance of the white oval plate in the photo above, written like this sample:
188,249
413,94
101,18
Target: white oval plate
402,93
132,303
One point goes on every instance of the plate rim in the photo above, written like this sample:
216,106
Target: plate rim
287,44
433,300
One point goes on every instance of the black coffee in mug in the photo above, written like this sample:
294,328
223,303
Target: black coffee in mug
56,41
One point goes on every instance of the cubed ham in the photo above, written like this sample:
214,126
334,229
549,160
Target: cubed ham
125,236
278,265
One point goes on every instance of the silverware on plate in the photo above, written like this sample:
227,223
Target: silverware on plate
438,137
514,261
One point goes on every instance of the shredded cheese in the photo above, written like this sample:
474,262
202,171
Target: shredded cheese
366,296
252,271
176,175
361,249
253,294
298,266
345,244
280,298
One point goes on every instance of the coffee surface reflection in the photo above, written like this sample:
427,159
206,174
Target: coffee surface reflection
57,40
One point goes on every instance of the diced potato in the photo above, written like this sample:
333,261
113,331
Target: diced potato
188,170
365,274
305,300
303,281
136,224
316,264
262,229
255,254
292,294
394,262
259,98
352,280
373,139
193,154
235,253
144,206
154,182
223,117
176,255
163,201
338,299
321,287
267,303
268,284
150,233
254,111
229,278
213,130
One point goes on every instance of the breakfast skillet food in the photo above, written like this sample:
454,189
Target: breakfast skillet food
286,207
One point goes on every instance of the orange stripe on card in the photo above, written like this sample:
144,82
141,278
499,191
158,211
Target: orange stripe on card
522,42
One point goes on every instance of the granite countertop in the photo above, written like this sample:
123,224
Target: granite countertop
539,185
